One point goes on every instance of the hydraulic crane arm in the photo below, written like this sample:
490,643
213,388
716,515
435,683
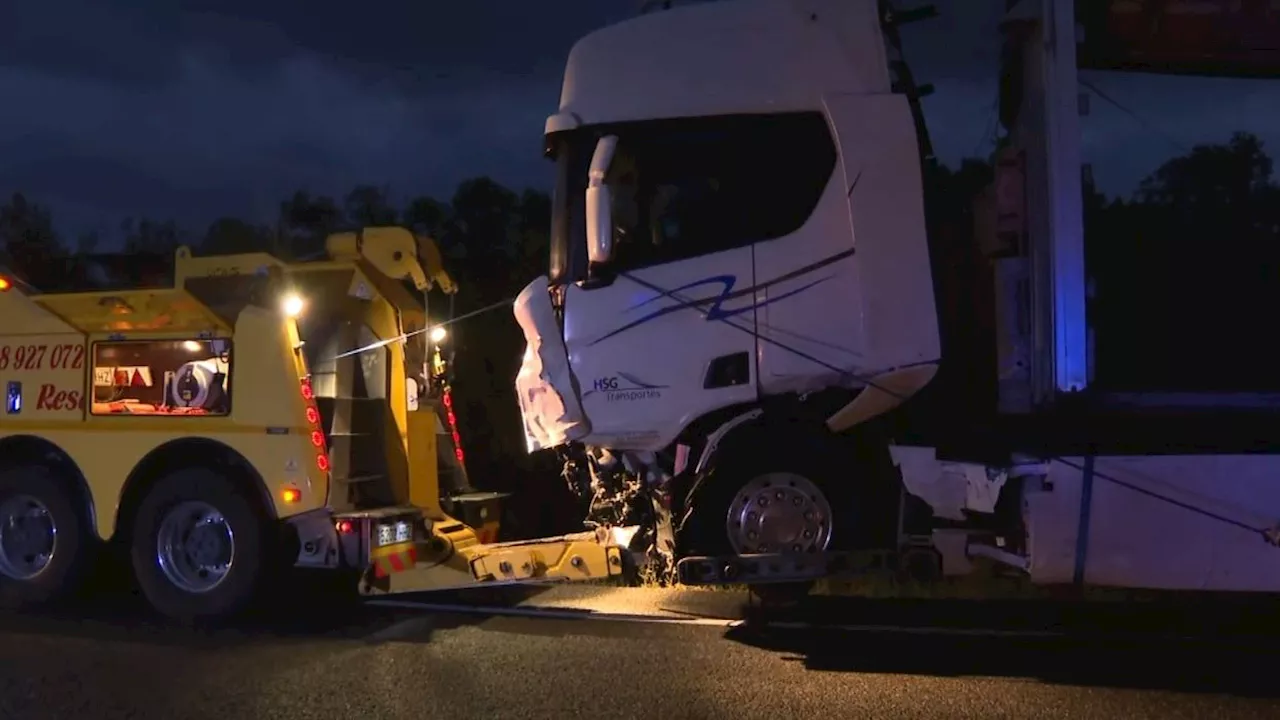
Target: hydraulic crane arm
396,253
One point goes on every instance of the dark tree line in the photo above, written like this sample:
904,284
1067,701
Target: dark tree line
1186,274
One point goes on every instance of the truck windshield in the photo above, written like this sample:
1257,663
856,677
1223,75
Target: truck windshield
691,186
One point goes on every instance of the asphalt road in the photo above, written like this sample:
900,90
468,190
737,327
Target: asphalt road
408,663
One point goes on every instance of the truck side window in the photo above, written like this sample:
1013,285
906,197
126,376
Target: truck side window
694,186
162,377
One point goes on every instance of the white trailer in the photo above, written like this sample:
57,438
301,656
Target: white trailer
738,336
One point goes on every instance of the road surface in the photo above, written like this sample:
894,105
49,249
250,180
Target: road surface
411,662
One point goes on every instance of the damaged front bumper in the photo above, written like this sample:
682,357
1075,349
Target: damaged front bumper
549,402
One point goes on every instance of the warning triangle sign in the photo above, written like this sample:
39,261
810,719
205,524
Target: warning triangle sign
138,380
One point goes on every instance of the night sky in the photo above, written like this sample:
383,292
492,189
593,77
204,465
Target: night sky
192,109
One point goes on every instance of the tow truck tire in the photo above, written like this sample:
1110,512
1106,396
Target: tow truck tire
32,575
198,546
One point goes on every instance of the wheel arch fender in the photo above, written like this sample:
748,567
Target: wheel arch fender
761,424
718,436
185,453
31,449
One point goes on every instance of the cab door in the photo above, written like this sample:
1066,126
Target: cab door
656,347
663,331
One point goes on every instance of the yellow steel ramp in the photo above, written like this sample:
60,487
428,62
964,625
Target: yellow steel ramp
446,563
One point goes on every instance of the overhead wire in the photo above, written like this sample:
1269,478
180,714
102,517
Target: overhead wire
1147,125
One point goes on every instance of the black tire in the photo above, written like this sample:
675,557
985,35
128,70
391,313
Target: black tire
250,556
753,451
65,570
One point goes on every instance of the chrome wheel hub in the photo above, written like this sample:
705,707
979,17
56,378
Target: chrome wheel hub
195,546
779,513
28,537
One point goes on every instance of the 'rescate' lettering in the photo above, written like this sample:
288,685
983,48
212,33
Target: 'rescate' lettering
51,398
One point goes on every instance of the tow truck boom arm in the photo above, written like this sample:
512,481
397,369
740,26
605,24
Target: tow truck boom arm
396,253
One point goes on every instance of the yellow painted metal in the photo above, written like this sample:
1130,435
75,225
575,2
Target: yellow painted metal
445,565
572,557
396,253
188,266
424,471
264,381
389,550
362,281
133,311
58,407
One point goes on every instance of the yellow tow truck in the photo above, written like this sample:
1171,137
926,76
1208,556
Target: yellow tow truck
256,415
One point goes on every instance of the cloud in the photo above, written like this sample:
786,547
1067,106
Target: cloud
961,43
237,117
1155,117
196,109
138,41
212,134
192,109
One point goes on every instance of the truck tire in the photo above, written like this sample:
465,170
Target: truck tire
199,546
756,471
42,538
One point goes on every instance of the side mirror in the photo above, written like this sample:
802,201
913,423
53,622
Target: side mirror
600,202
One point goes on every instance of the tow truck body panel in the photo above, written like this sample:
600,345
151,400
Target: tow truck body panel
99,378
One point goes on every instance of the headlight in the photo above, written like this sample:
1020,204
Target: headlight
292,306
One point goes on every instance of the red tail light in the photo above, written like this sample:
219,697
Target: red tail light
313,417
453,425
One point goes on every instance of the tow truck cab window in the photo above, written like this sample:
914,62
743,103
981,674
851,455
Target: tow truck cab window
162,377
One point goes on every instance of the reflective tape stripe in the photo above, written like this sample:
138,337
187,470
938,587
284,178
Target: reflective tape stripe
395,562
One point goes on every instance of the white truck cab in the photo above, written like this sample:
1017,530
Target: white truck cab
740,316
733,221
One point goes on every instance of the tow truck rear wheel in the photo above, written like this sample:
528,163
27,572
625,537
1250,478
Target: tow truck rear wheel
42,538
198,546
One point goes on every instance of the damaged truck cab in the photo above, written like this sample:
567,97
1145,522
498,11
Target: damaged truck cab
739,272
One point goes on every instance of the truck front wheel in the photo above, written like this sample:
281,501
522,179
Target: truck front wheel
198,546
42,543
772,490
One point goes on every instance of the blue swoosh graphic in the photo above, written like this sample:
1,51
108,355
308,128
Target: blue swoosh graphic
715,312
